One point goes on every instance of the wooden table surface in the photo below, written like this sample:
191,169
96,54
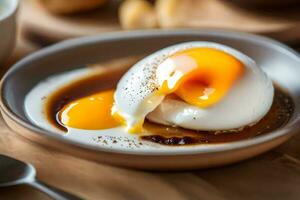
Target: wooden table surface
273,175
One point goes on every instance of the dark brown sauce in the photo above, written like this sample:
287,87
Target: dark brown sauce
278,115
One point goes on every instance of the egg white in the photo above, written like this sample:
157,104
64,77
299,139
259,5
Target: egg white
246,103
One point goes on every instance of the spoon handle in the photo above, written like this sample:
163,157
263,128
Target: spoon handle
51,191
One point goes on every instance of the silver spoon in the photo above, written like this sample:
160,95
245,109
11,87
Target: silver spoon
15,172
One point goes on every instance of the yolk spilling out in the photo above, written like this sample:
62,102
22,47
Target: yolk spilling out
200,76
91,113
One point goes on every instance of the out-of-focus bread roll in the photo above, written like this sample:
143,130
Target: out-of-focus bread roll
71,6
137,14
169,13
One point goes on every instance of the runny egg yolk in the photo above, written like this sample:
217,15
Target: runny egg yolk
91,112
199,76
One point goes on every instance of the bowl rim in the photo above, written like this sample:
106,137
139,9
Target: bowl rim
12,9
290,128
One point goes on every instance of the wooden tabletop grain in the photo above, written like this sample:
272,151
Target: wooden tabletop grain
273,175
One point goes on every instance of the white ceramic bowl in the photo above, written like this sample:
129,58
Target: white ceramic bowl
8,12
279,62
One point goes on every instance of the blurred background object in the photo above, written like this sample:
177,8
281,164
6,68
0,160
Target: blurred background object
42,26
137,14
50,21
8,12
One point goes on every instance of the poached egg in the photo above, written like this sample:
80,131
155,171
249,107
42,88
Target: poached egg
194,85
